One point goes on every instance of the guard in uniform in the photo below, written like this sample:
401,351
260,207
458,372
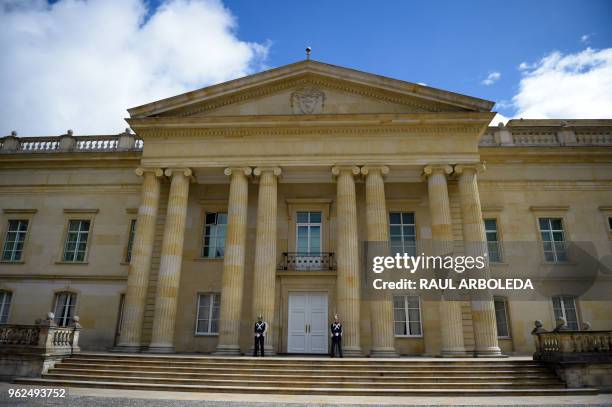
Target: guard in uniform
336,336
261,327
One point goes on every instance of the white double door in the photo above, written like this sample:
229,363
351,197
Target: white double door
307,322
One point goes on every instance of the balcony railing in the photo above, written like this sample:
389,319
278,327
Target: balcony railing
300,261
68,142
573,346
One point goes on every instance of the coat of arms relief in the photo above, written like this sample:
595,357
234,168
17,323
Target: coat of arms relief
307,100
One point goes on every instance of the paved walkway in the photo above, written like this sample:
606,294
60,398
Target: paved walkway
138,398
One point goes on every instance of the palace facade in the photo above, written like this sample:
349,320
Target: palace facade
254,196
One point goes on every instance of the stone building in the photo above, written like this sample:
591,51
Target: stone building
255,195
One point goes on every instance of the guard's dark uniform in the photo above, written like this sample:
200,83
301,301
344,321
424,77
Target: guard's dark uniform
260,329
336,331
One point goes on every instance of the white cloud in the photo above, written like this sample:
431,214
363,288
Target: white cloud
499,118
568,86
585,39
491,78
77,64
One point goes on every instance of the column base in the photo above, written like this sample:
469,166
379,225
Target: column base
352,352
126,348
493,352
161,349
228,350
383,353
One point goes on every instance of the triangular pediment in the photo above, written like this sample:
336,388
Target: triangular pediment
311,87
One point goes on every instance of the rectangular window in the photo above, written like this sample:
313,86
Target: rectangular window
214,234
407,315
207,319
565,307
14,239
553,239
402,233
128,253
501,317
76,240
65,304
610,223
493,244
308,233
5,305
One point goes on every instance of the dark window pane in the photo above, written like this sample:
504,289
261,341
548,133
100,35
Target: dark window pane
315,217
556,224
211,218
302,217
544,225
407,218
395,218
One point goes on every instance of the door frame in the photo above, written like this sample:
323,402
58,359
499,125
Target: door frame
307,291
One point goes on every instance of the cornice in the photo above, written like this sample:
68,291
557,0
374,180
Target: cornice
60,277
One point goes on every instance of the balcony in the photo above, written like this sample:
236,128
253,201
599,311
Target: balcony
298,261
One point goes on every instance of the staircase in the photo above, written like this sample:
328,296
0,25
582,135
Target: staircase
316,376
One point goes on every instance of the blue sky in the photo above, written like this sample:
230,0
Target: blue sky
453,45
80,64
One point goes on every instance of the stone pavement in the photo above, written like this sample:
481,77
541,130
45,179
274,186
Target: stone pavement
140,398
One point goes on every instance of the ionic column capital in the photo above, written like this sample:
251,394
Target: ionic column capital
186,171
246,171
338,169
477,168
141,170
383,169
437,168
277,171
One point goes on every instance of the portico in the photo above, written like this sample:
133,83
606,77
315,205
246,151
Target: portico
251,150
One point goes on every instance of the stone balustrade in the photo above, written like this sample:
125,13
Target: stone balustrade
548,133
574,346
29,350
68,142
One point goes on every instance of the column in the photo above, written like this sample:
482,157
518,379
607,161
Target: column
166,296
264,281
138,272
475,242
377,219
451,325
233,263
348,282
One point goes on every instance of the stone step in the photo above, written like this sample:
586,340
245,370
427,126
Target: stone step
415,377
331,391
255,381
285,364
303,369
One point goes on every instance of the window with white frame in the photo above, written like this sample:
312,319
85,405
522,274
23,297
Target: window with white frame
402,233
215,226
65,305
308,233
76,240
207,319
493,244
553,239
407,315
130,244
565,307
5,305
14,240
501,317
